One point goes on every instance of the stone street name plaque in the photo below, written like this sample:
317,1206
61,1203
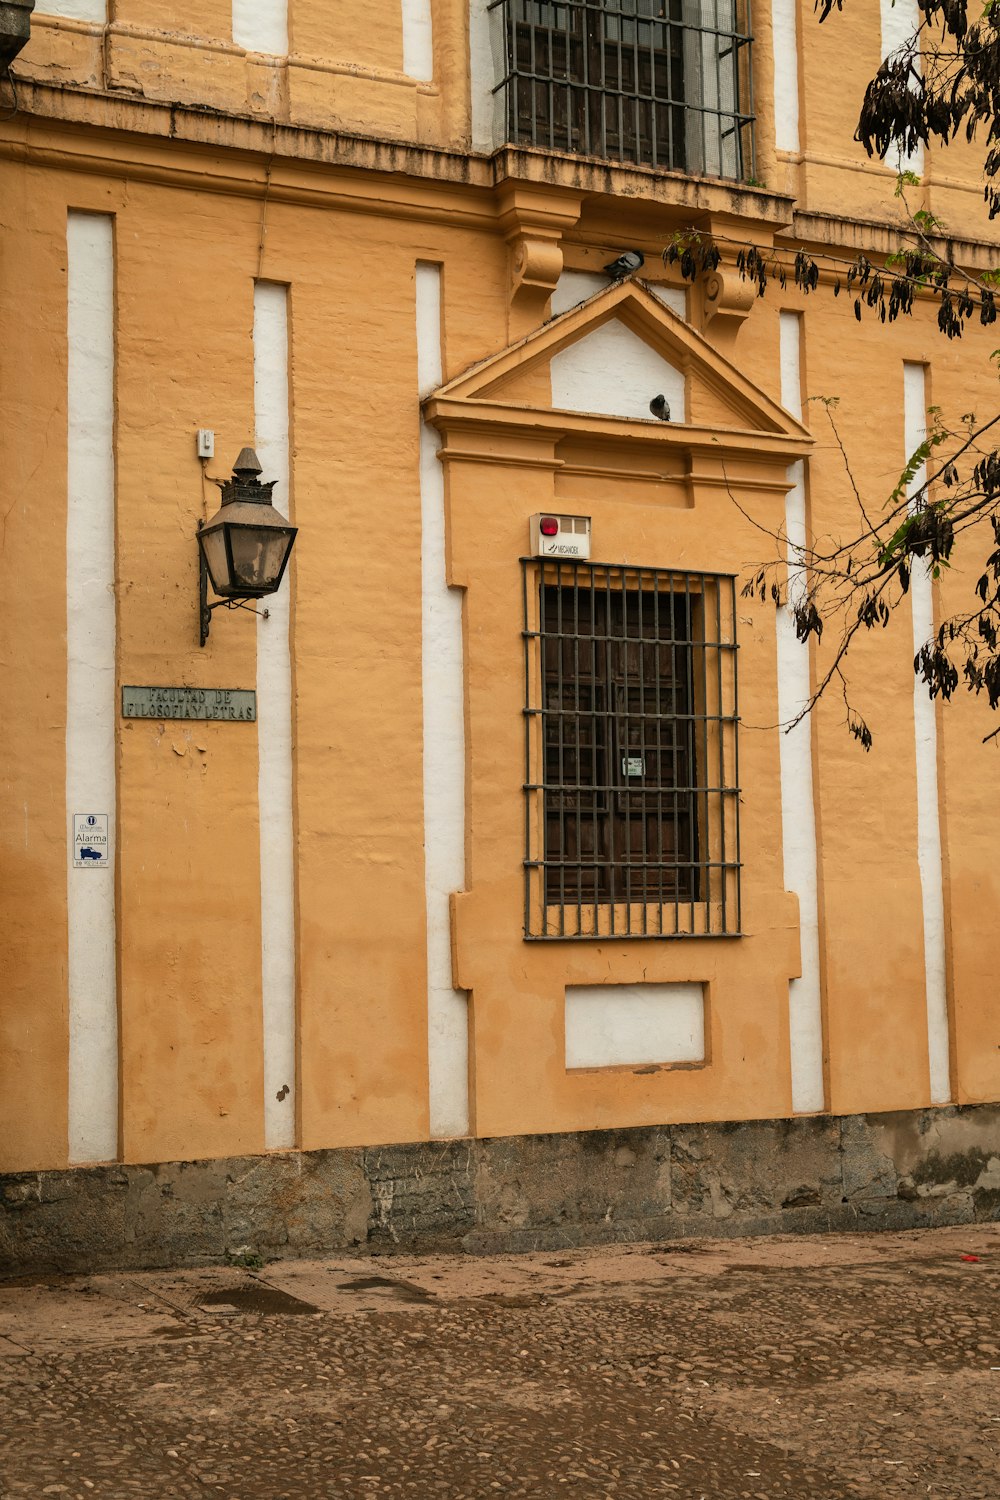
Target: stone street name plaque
232,704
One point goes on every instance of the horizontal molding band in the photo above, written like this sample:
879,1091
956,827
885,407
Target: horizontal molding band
118,135
114,113
449,413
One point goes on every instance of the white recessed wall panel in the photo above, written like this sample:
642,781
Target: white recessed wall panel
574,287
900,20
674,297
620,1025
798,813
784,28
613,372
418,40
91,709
261,25
274,734
74,10
444,749
925,730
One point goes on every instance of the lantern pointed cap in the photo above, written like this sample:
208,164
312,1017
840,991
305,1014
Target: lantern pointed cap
247,464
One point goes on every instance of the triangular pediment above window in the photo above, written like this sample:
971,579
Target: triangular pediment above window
608,358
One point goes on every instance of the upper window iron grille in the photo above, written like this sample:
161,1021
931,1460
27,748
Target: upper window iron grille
660,82
632,778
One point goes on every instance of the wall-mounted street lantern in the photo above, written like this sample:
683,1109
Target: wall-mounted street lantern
244,549
15,28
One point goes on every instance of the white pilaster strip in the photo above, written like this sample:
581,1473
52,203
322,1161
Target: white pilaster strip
418,40
74,10
274,734
925,730
90,683
784,30
261,25
900,19
444,750
798,814
483,76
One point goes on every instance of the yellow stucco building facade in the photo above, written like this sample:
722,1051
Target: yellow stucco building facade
467,891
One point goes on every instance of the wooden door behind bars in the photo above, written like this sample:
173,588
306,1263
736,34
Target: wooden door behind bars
620,823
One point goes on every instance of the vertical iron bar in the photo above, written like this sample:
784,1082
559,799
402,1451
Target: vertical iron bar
636,153
533,84
658,680
736,758
721,727
655,33
609,729
746,113
676,728
719,118
622,729
595,835
580,743
586,28
539,743
616,97
561,752
669,34
513,82
707,782
643,806
527,753
692,796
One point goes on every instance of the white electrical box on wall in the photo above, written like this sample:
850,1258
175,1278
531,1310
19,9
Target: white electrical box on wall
560,536
206,442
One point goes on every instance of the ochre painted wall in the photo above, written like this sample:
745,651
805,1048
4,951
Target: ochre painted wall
197,219
33,1014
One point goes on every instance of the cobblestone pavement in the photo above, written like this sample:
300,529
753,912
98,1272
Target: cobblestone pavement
780,1369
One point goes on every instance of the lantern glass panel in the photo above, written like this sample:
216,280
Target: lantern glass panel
213,545
258,554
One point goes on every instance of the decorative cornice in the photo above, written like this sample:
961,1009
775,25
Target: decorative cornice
223,148
121,134
881,237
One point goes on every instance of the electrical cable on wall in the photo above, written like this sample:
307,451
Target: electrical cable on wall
7,76
263,203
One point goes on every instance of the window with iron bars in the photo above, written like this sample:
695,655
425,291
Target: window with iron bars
666,83
631,757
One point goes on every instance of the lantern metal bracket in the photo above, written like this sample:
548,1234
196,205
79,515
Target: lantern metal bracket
205,609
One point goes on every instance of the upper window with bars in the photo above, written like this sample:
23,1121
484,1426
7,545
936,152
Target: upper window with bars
664,83
632,782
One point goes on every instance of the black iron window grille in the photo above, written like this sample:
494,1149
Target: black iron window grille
631,810
660,82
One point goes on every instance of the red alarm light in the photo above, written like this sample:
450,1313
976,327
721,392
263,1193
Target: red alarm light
548,526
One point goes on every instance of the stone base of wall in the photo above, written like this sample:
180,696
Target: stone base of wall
806,1175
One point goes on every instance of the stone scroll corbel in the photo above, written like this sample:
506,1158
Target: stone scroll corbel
534,222
535,266
728,301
